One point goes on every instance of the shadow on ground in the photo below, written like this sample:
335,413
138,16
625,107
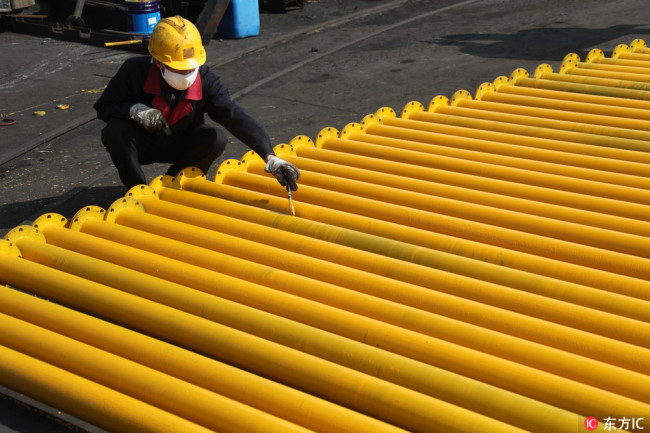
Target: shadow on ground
13,214
538,44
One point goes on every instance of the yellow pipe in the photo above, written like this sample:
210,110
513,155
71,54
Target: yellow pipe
594,71
619,68
529,381
470,182
594,81
590,136
519,112
378,176
561,163
627,55
266,395
625,62
515,95
471,336
87,400
365,393
436,241
176,396
493,215
547,180
398,269
594,100
583,87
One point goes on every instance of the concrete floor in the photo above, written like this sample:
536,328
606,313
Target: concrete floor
326,65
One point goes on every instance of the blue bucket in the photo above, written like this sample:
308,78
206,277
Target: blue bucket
143,15
241,20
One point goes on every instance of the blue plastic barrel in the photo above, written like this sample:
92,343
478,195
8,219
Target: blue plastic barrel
241,20
143,15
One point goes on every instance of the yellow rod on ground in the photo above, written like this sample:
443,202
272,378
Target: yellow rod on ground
630,159
86,400
593,81
515,95
615,68
561,363
174,395
519,378
368,394
512,174
576,87
529,128
591,71
594,99
266,395
478,251
493,215
522,114
378,176
559,163
486,185
625,62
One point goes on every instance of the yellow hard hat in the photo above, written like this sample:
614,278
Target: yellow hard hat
176,42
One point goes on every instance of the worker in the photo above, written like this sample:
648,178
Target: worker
154,109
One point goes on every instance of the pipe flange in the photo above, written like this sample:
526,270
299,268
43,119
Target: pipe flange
49,219
518,75
142,191
385,112
301,140
83,215
620,50
500,81
282,150
25,231
572,56
542,70
164,181
458,96
411,107
9,248
120,205
438,101
226,166
324,134
350,129
483,89
567,66
638,45
369,120
595,56
249,156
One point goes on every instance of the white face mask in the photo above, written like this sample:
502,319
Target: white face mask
179,81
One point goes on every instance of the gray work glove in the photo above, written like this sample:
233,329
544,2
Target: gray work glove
285,172
151,119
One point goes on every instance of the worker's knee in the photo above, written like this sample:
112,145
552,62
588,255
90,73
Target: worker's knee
117,133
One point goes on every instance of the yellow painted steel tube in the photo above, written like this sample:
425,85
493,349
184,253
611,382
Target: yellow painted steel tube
436,241
547,180
583,87
532,382
365,393
486,185
378,176
637,104
493,215
188,401
622,61
564,115
630,159
590,320
642,57
573,102
590,71
192,204
593,81
85,399
600,66
529,129
561,163
279,400
497,295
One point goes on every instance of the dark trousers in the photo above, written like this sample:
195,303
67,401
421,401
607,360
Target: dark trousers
130,146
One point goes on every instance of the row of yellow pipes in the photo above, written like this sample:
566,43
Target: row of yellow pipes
481,265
